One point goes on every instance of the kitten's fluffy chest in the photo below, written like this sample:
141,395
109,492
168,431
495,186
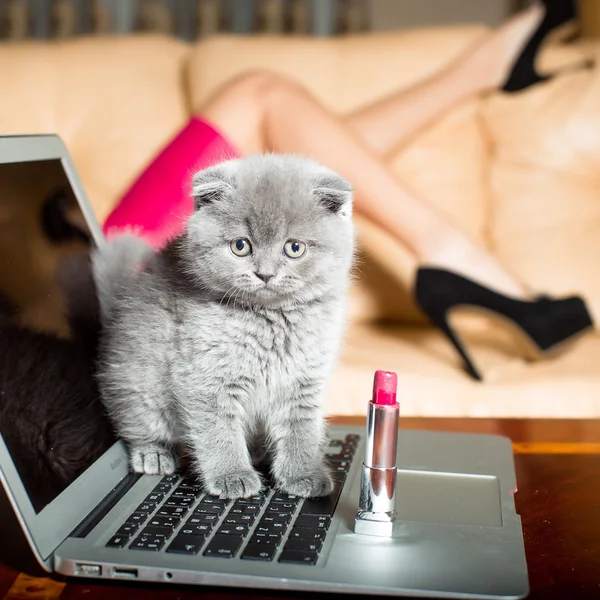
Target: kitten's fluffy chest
266,351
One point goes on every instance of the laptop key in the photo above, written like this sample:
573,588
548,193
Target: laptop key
241,530
283,497
267,527
340,456
223,546
245,509
191,480
163,488
146,507
239,519
154,497
307,534
186,544
339,465
162,521
164,532
189,491
271,539
117,541
137,517
209,509
203,519
320,506
172,511
312,522
336,442
143,542
184,493
252,500
208,499
172,479
128,529
201,530
296,556
191,483
341,468
183,501
281,507
259,552
277,518
303,545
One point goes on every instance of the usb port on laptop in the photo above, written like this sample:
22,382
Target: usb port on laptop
88,570
125,573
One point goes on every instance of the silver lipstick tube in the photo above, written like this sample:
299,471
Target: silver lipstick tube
377,504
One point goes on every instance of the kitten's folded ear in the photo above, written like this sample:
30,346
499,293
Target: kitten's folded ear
210,185
334,193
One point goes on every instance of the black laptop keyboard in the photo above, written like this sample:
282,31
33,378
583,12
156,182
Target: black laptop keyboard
180,518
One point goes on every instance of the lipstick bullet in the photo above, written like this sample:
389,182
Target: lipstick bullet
377,503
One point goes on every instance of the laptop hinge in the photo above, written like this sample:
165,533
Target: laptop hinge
105,506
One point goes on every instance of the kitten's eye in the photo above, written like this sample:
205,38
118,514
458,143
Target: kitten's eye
294,248
241,247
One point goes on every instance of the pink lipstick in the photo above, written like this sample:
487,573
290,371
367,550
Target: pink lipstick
385,384
377,504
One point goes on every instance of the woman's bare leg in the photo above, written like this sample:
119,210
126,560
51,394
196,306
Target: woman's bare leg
386,125
261,112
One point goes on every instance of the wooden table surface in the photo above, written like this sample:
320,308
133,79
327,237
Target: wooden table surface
558,472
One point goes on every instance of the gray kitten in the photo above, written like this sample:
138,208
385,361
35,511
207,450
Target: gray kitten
225,339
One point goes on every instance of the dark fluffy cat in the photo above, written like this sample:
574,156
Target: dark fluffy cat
51,417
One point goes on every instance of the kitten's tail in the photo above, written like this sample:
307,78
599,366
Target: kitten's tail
114,266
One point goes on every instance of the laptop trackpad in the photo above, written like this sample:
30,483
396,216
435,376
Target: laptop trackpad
453,498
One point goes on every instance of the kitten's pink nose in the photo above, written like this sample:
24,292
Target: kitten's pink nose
264,276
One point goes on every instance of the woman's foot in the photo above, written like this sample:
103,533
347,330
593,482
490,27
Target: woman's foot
457,253
547,323
489,63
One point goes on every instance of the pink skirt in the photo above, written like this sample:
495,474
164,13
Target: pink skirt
159,203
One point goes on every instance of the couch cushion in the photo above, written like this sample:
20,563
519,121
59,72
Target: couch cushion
445,164
431,381
114,102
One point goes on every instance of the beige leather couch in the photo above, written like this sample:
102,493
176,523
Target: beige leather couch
521,173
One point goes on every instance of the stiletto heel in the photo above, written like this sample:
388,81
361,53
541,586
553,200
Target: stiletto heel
559,15
545,322
470,366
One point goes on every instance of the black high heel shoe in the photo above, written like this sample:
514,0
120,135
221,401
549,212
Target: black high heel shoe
547,323
559,14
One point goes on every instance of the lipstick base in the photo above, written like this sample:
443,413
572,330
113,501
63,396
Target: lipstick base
377,524
377,505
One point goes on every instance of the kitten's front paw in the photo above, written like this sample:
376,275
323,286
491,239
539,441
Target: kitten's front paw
310,485
153,460
240,484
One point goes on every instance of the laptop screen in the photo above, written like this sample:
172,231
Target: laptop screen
51,418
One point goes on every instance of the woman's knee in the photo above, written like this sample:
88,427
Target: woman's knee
264,86
241,109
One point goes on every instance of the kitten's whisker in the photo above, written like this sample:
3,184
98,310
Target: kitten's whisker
238,291
242,296
230,295
226,295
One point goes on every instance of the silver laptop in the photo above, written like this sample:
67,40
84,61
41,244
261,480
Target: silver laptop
69,494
